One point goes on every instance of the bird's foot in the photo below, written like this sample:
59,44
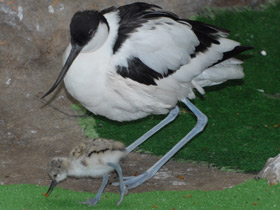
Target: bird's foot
90,201
124,191
119,202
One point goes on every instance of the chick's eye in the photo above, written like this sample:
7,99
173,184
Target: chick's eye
55,175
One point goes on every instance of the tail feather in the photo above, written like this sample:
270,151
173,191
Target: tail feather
221,72
237,50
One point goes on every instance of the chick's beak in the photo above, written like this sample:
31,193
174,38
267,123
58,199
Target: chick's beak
75,50
53,184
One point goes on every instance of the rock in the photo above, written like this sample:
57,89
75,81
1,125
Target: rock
271,170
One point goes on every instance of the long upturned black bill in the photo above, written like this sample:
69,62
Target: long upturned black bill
75,50
53,184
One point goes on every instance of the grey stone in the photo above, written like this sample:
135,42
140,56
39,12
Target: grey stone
271,170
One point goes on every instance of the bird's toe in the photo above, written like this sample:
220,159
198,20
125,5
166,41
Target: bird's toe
90,202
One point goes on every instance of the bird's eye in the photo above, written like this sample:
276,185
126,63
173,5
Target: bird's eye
55,175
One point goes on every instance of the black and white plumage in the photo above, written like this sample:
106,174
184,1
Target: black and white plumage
94,158
136,60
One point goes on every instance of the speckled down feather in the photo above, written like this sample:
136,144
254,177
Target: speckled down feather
95,146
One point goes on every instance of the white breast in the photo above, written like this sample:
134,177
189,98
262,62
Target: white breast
85,80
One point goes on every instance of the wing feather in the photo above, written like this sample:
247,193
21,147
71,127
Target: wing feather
152,45
161,44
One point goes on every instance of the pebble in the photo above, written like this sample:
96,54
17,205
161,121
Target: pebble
8,81
263,53
51,9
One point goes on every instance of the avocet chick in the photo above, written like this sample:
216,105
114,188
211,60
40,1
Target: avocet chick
93,158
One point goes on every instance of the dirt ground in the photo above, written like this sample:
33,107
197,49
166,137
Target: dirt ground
32,131
29,167
25,159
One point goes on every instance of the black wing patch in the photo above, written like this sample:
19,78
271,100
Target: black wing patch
140,72
206,34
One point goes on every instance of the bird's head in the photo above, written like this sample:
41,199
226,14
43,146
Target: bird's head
89,31
58,171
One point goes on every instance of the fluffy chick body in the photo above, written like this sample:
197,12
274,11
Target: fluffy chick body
94,158
89,159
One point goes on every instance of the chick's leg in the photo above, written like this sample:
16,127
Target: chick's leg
123,189
95,200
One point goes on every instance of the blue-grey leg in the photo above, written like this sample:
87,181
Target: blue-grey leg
135,181
170,117
95,200
123,189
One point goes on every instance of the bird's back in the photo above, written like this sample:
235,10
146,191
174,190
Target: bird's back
96,146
